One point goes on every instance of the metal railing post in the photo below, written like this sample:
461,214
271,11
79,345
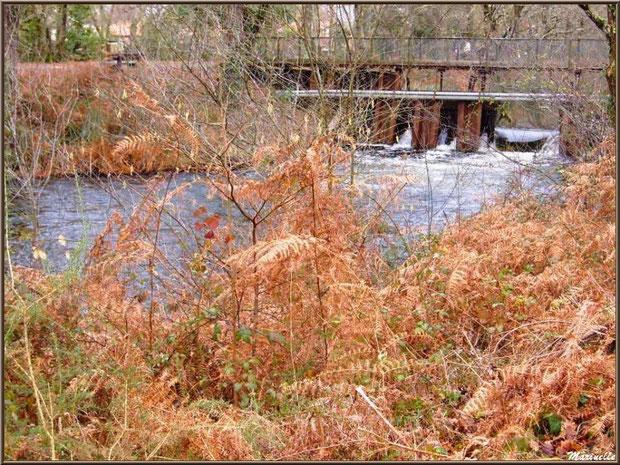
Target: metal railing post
409,50
487,47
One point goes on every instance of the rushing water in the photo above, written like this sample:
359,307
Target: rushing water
436,187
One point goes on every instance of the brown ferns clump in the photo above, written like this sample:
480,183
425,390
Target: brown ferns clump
525,293
497,341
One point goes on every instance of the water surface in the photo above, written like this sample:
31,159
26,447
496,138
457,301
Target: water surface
436,187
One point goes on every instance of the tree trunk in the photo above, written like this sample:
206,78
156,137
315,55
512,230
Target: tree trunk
10,33
611,68
62,33
608,27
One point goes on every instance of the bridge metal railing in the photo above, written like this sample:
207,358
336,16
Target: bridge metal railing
569,53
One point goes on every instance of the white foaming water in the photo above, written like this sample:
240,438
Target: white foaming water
444,148
441,184
514,135
443,137
404,140
483,146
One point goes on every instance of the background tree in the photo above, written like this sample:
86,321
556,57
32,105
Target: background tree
59,32
608,27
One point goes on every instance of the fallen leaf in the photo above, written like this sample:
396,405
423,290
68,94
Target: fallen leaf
567,446
213,222
39,254
570,430
200,211
547,448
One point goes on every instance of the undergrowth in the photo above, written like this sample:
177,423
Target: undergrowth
288,336
90,118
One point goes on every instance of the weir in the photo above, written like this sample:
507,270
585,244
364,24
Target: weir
464,115
389,72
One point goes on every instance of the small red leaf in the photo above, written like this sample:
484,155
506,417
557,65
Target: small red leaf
200,211
228,238
209,235
213,221
547,448
200,226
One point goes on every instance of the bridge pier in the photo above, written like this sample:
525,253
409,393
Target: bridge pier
468,126
384,131
425,122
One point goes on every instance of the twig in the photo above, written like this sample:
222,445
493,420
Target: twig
152,454
412,449
360,391
523,326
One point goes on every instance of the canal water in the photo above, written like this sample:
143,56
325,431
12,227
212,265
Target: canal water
436,188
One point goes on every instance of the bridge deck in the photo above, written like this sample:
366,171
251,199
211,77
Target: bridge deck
437,52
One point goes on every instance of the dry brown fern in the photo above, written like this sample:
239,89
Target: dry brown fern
268,252
136,145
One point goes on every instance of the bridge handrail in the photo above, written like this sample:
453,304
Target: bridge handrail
381,49
515,39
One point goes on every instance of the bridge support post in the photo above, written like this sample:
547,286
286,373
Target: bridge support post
385,116
468,126
489,114
425,124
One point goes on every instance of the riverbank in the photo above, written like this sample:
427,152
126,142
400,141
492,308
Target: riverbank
495,340
90,118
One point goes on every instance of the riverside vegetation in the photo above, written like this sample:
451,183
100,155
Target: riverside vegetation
289,335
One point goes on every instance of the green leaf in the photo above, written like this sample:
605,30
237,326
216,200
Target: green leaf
555,424
216,331
212,312
244,333
273,336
